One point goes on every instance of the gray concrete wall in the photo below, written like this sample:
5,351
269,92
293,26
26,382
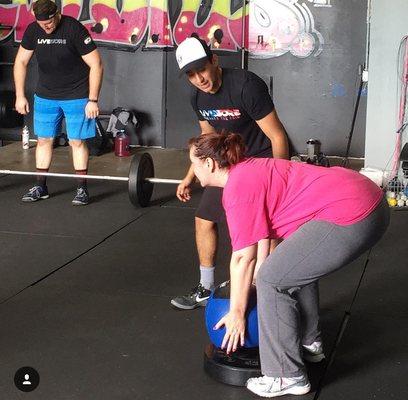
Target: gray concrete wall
136,81
315,96
389,23
132,80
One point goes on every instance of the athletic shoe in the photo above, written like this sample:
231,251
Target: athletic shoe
81,198
314,352
36,193
196,298
267,386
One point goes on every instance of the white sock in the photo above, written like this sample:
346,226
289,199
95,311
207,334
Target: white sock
207,277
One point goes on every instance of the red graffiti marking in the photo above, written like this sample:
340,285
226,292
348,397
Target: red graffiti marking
159,29
127,28
235,27
24,19
72,10
8,17
185,26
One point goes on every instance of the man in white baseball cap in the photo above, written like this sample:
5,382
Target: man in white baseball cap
193,54
224,99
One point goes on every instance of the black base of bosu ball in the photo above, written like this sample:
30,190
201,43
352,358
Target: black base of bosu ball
234,369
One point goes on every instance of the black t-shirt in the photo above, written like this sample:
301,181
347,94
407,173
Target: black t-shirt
242,99
63,74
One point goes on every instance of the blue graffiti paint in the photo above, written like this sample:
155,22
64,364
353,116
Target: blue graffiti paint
338,90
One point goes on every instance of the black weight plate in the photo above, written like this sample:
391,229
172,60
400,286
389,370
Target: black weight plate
140,190
9,117
234,369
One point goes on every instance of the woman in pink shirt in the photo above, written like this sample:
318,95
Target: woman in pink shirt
327,216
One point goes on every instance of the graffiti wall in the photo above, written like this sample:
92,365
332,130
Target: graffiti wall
268,28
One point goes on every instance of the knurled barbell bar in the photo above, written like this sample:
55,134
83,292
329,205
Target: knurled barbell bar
141,178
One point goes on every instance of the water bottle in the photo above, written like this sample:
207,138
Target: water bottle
313,148
122,142
26,138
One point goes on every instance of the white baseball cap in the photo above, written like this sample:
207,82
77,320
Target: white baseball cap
192,53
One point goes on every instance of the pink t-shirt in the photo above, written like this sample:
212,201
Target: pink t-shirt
272,198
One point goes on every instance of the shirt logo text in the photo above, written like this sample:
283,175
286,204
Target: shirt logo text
223,114
52,41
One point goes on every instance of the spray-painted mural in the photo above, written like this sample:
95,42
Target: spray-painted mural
271,28
278,26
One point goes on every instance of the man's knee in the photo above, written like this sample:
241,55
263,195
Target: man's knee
45,142
203,225
77,144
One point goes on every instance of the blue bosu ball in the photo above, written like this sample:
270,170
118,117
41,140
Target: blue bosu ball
218,305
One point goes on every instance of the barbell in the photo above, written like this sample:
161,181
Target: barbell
141,178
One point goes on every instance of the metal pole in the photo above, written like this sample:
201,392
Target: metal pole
367,54
243,51
101,177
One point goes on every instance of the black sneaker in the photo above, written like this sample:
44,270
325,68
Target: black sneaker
196,298
81,198
36,193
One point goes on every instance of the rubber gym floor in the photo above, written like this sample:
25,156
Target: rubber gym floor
85,296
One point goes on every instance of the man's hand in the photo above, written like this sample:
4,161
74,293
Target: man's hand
183,192
22,106
92,110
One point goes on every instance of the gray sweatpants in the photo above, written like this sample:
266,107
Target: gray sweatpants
287,291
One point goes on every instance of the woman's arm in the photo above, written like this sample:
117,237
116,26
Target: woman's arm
241,271
262,253
265,247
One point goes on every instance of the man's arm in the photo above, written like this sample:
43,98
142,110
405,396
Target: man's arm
20,71
183,191
93,60
205,128
273,128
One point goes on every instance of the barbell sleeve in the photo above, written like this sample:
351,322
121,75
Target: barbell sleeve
162,180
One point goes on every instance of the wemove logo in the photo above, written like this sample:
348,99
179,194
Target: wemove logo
223,114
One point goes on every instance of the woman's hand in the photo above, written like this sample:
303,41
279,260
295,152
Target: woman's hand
234,323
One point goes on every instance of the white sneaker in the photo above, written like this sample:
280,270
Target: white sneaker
314,352
266,386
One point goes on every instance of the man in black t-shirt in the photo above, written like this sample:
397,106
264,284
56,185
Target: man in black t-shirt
70,76
223,99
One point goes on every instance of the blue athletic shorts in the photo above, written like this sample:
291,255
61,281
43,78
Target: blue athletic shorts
48,115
